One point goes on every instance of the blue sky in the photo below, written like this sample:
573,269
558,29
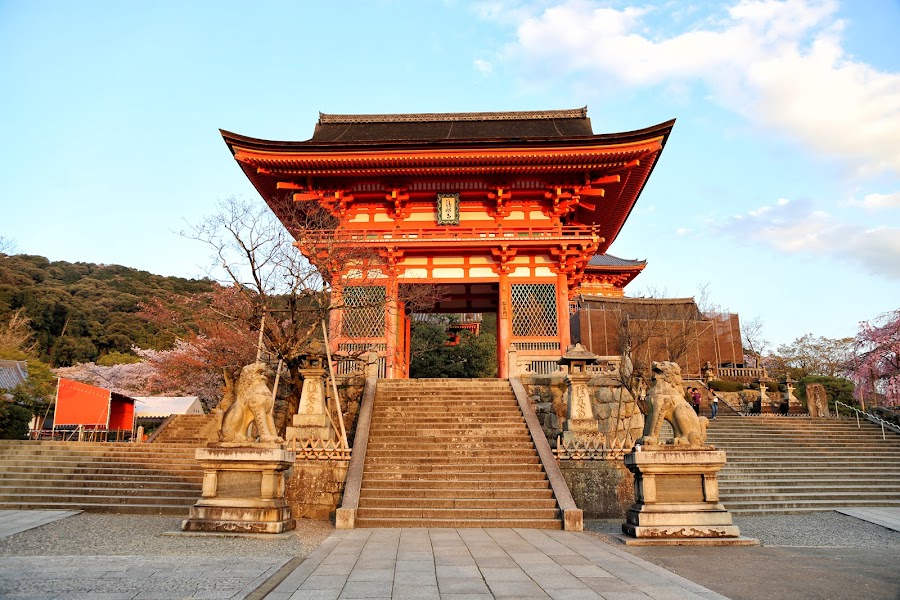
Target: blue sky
779,188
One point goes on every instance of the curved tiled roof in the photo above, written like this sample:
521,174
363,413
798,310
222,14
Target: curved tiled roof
12,373
452,126
608,260
552,148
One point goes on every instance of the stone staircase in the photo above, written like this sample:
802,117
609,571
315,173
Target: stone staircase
452,453
188,429
157,479
783,465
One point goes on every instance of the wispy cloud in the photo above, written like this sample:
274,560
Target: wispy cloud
877,201
779,64
483,66
797,228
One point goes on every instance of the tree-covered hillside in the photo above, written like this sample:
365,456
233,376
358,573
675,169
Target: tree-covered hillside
81,312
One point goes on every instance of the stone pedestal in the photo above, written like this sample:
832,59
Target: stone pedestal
311,420
580,421
243,490
677,499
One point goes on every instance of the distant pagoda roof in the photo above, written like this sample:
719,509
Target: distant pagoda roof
610,261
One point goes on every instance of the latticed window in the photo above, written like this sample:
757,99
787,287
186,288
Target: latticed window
364,311
534,309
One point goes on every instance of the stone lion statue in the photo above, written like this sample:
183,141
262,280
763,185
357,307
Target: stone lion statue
248,401
667,403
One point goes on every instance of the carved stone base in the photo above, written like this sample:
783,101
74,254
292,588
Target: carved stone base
243,490
677,497
310,426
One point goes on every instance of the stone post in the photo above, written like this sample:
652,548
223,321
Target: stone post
707,372
513,363
372,365
579,410
312,420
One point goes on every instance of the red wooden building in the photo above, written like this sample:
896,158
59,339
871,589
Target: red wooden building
505,211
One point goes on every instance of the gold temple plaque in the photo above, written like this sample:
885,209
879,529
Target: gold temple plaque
448,209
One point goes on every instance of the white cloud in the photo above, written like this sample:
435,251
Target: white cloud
779,64
876,201
796,228
483,66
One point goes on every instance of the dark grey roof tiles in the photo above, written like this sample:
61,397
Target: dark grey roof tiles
453,126
12,373
608,260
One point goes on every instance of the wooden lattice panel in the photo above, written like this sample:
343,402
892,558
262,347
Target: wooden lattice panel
534,309
364,311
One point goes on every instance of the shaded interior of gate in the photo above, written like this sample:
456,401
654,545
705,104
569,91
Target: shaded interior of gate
377,318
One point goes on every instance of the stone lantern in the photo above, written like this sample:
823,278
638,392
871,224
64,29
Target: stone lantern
579,411
312,420
707,372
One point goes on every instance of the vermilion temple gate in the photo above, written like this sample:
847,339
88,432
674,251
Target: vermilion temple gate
503,210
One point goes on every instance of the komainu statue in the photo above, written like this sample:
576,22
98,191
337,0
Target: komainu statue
667,403
247,401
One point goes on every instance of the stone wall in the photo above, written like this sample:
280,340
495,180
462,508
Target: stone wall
314,488
350,390
603,489
619,418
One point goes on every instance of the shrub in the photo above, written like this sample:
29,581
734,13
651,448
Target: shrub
720,385
14,421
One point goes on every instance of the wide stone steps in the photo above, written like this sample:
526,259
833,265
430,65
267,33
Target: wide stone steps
189,429
794,465
453,484
459,522
523,477
102,477
423,468
461,513
452,454
26,484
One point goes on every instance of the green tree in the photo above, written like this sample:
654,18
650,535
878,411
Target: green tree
809,355
14,421
473,356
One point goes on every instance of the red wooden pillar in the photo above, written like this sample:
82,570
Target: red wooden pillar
504,325
562,310
336,316
391,331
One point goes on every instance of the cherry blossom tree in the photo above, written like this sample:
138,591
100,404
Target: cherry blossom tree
876,368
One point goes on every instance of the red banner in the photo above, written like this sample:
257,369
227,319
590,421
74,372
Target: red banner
81,404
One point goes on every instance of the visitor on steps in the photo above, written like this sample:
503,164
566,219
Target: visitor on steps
714,405
695,396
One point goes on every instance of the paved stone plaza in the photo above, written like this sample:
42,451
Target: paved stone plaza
95,556
426,564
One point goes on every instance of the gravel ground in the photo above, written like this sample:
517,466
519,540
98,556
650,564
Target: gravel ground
803,557
139,535
826,529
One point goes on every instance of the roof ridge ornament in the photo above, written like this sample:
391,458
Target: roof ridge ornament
573,113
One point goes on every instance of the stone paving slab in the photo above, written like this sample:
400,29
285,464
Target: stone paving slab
886,516
16,521
133,577
457,564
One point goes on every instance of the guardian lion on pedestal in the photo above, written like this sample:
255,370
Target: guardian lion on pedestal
248,401
667,403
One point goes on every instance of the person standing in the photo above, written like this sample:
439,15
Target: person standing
695,395
714,405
